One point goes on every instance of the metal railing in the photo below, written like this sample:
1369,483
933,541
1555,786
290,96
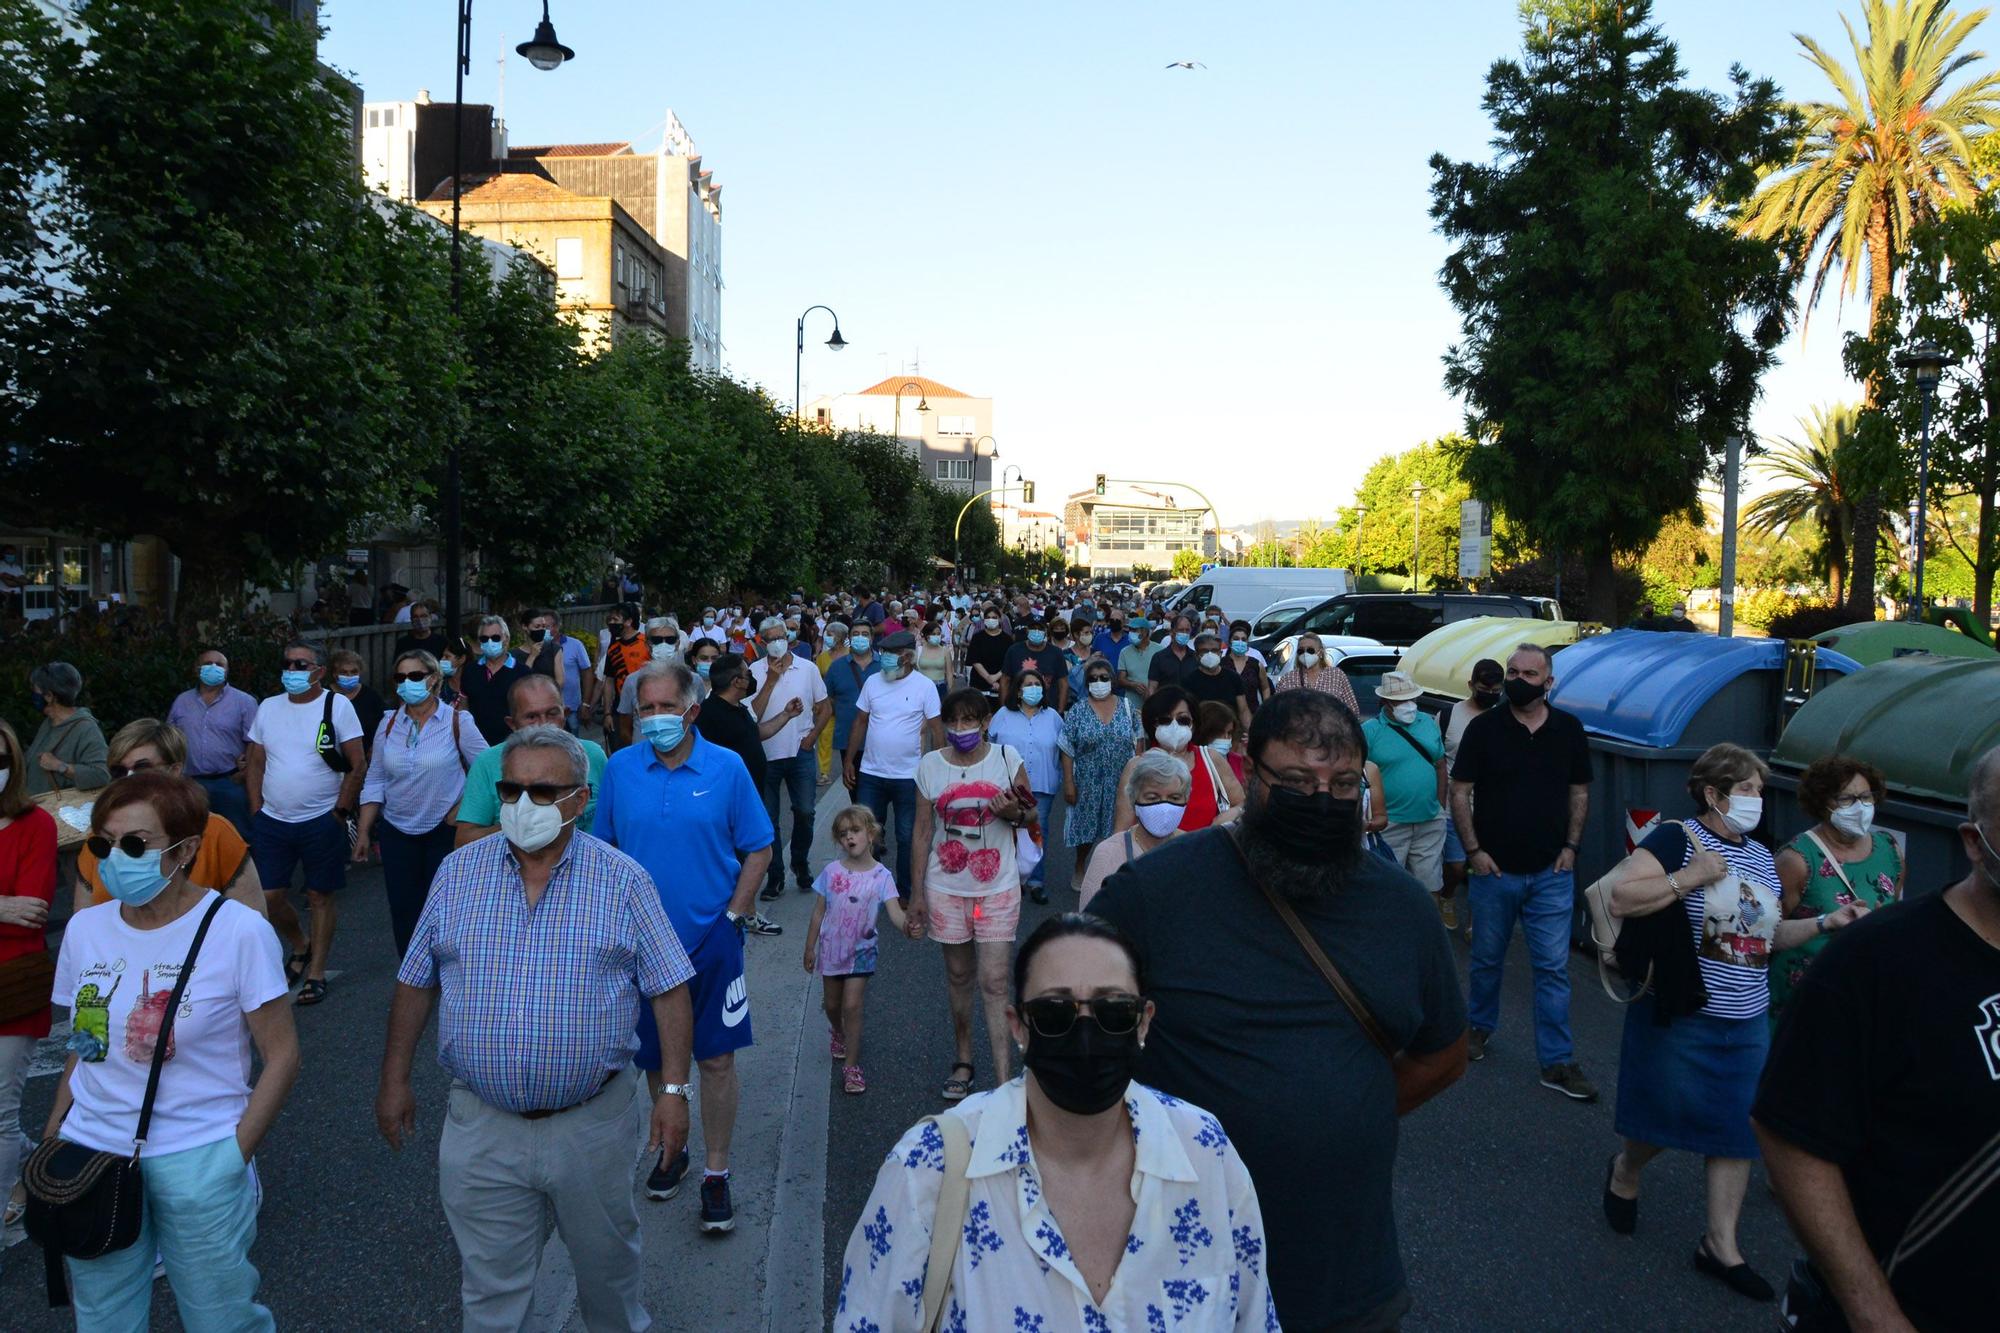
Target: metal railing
376,644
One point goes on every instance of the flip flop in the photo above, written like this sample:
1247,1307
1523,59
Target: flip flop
295,967
312,992
957,1089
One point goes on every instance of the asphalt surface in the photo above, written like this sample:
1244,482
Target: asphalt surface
1498,1180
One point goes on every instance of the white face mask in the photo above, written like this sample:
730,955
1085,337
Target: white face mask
531,827
1308,657
1174,735
1210,661
1100,689
777,648
662,651
1853,820
1403,712
1160,818
1744,813
993,622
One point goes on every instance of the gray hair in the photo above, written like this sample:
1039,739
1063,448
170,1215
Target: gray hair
688,687
1548,658
60,681
834,627
420,657
1158,768
551,738
770,623
505,633
662,622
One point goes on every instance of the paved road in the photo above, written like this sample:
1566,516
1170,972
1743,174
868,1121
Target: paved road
1497,1183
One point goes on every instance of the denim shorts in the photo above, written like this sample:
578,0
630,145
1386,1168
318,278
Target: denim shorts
319,844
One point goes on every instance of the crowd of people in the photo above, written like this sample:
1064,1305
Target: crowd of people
578,840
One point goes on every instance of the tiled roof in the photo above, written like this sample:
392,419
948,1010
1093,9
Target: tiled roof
506,187
571,150
928,388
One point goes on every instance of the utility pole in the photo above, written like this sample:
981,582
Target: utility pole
1732,459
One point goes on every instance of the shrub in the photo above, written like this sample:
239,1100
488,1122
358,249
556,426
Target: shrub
1808,621
1761,606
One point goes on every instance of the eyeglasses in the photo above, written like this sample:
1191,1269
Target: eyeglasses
1055,1015
1844,801
127,770
1343,785
301,664
132,844
416,676
541,793
667,639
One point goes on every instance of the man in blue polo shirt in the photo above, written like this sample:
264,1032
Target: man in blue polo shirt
687,811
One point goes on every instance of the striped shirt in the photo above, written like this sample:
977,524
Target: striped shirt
538,1004
1734,920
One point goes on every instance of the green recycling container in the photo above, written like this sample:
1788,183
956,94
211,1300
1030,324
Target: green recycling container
1872,641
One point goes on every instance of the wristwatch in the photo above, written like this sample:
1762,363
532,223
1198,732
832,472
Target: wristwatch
1571,847
1819,927
684,1091
735,918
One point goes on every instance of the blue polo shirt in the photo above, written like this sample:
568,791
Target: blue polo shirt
690,827
843,687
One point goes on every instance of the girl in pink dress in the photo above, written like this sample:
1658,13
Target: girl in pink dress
840,942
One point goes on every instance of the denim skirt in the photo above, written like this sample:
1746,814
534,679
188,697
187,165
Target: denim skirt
1690,1085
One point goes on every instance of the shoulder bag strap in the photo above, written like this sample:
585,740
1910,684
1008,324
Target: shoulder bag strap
1348,995
1832,860
463,766
167,1026
948,1222
1214,780
1131,852
1429,758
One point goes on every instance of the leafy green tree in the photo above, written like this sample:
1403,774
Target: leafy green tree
1685,556
1271,554
1614,325
249,355
1187,565
31,75
1379,530
1891,151
1816,486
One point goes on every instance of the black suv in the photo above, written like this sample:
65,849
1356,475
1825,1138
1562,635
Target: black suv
1399,619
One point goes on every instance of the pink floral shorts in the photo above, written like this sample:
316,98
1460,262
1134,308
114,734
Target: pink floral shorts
996,918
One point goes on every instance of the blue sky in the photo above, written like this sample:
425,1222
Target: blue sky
1226,275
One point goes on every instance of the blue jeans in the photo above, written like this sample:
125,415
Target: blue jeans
878,794
800,776
201,1214
1545,903
1045,805
227,798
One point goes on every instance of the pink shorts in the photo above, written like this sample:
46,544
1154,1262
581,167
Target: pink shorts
958,920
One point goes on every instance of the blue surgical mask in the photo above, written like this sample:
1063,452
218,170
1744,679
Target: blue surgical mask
348,682
210,674
663,731
133,880
1036,638
413,692
296,682
445,667
860,643
489,649
1183,639
1031,694
701,669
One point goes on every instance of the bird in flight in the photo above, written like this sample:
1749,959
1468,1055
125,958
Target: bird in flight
1186,64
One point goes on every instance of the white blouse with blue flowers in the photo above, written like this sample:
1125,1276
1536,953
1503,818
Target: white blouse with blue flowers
1194,1259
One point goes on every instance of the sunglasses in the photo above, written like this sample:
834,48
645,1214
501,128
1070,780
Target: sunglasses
1055,1015
541,793
300,664
417,676
127,770
668,639
492,638
132,844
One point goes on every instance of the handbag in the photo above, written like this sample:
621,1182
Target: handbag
86,1204
26,984
1605,928
948,1223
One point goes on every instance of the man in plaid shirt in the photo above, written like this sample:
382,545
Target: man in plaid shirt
541,940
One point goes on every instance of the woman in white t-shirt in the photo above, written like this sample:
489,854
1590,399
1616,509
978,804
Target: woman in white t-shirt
116,973
965,888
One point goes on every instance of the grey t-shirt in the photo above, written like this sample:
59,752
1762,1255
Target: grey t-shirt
1250,1031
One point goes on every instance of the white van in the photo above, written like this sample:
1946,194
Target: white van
1244,591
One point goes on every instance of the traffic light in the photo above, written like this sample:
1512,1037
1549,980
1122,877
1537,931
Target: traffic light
1100,483
1027,492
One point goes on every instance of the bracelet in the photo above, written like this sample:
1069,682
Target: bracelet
1571,847
1472,851
1673,884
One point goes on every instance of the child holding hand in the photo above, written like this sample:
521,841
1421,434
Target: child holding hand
840,942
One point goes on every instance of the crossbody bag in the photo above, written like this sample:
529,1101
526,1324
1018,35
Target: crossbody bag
326,743
948,1222
84,1203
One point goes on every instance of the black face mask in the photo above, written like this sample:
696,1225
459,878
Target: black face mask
1485,698
1521,694
1309,829
1085,1070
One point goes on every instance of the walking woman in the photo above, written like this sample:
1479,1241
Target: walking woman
1035,733
415,777
934,656
1157,788
116,974
1100,733
1215,797
27,889
1687,1073
1312,671
1089,1200
1843,861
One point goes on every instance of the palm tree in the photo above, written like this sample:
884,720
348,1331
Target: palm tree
1891,151
1812,489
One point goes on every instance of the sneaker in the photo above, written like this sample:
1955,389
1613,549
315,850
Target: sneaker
1448,909
772,892
1475,1044
851,1079
805,884
762,925
716,1214
1568,1079
664,1181
837,1046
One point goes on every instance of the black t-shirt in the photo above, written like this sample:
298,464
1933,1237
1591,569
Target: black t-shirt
1888,1065
486,696
1225,686
1520,785
731,726
1250,1031
432,643
1168,669
1047,659
368,711
988,651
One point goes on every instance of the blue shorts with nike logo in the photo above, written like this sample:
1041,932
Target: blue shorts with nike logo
720,997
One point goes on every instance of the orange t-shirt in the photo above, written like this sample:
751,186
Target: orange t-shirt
622,659
221,856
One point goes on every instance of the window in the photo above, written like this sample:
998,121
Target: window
374,119
569,257
618,265
954,469
955,425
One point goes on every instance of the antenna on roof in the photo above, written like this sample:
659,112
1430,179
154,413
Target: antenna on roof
500,111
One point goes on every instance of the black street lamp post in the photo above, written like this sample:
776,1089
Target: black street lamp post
1926,363
836,342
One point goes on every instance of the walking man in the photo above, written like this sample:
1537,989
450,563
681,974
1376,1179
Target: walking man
216,718
780,680
542,943
1521,785
846,672
895,721
686,810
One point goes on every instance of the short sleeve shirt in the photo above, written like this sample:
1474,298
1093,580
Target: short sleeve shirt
298,786
844,678
897,711
1520,785
480,805
1224,687
972,850
1409,779
801,681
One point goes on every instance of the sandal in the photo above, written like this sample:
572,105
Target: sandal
837,1046
851,1079
312,992
295,967
957,1089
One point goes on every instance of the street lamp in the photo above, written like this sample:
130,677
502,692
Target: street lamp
923,405
544,52
1417,537
836,342
1926,363
1360,523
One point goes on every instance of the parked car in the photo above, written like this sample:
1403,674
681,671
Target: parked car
1364,660
1399,619
1239,589
1280,614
